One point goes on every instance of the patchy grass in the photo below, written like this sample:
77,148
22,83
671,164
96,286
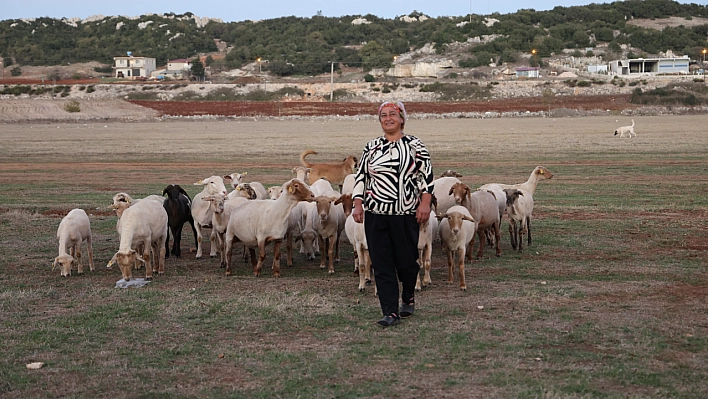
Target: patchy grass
609,300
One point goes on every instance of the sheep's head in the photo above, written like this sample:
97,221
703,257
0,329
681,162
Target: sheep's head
302,173
235,178
126,260
214,185
173,192
298,190
324,204
543,173
274,192
454,220
450,173
245,190
347,203
308,238
216,203
512,195
65,263
460,192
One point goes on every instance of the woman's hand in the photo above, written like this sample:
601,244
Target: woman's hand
422,214
358,213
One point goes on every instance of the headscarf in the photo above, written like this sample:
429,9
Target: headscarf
398,106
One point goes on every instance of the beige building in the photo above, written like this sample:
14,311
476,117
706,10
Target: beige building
133,67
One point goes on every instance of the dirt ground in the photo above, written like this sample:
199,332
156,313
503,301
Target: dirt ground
27,110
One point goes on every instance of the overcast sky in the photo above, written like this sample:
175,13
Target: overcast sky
236,10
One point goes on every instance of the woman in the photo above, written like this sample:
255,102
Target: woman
394,185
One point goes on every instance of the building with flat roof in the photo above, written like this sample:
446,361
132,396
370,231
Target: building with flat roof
650,66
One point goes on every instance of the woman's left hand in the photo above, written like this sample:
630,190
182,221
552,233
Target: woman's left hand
422,214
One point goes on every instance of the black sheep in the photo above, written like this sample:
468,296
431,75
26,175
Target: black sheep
178,206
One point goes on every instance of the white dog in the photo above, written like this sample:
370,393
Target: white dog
626,129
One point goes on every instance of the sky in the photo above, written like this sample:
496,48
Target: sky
238,10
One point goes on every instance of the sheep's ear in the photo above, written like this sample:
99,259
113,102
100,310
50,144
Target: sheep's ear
469,218
228,177
199,183
338,201
54,264
308,170
244,173
441,216
451,190
181,190
520,193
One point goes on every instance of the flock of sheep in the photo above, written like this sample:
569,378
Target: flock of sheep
314,215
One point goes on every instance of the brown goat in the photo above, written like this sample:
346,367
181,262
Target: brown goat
333,172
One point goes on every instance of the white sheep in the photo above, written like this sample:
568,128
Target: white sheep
539,173
357,237
519,208
221,208
274,192
348,185
123,201
201,212
307,236
302,173
143,223
258,222
74,229
484,209
457,230
426,234
321,186
329,223
441,191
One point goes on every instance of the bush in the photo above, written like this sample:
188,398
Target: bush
72,106
385,89
584,83
369,78
90,89
103,69
452,75
339,94
16,71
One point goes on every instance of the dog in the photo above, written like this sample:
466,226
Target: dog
333,172
626,129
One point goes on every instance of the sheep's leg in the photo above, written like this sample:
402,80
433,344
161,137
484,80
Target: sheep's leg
158,256
276,257
194,230
450,260
427,255
362,267
89,244
356,264
228,252
418,285
199,240
176,250
461,266
148,262
336,249
331,244
261,258
528,228
480,252
79,261
289,249
167,242
221,237
212,240
321,241
512,236
496,228
470,247
252,254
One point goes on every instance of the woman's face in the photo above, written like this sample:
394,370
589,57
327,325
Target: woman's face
391,121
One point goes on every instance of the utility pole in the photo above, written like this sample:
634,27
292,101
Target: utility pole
704,65
331,81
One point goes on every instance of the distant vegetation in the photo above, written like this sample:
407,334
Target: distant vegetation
306,46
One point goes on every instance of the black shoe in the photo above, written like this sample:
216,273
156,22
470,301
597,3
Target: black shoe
407,310
389,320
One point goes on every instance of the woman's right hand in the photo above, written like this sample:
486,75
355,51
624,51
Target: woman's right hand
358,213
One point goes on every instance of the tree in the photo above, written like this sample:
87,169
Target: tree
197,69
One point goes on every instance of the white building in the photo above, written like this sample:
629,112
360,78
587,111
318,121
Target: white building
650,66
133,67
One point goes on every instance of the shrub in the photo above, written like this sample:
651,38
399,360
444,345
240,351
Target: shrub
376,89
72,106
90,89
16,71
385,89
369,78
452,75
339,94
584,83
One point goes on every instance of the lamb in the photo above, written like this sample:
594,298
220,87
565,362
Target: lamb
484,210
258,222
179,211
426,234
519,208
274,192
221,208
457,230
258,189
626,129
308,236
334,172
74,229
302,173
357,237
329,222
538,173
201,213
441,190
145,223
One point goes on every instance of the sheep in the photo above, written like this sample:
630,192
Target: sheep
450,173
308,236
274,192
519,208
74,229
626,129
258,222
329,222
121,202
321,186
179,211
441,189
334,172
348,185
221,208
457,230
235,178
538,173
146,223
244,190
201,213
484,210
426,234
302,173
295,225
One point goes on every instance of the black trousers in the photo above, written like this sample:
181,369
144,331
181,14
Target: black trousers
393,248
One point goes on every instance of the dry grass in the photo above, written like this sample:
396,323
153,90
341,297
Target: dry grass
609,300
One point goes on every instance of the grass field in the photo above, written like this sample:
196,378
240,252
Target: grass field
610,300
